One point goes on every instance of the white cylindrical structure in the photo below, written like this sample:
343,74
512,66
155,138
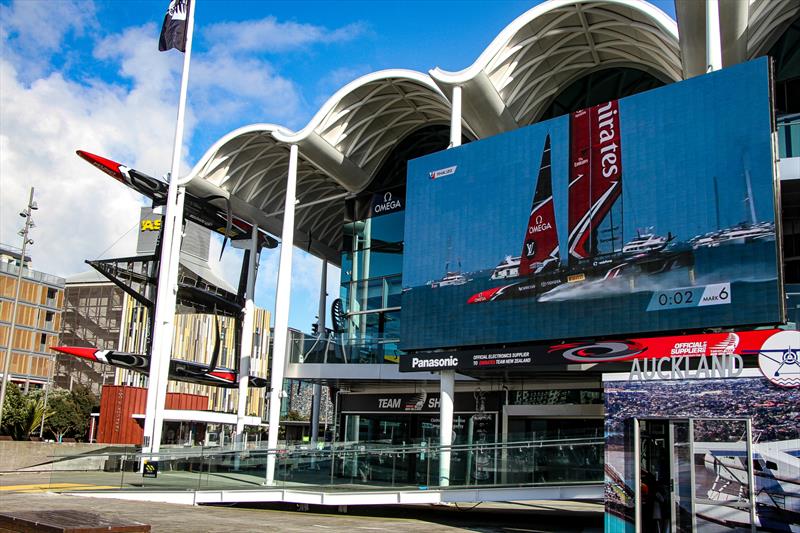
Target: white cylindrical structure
246,351
713,37
282,298
447,385
164,313
455,118
315,401
447,378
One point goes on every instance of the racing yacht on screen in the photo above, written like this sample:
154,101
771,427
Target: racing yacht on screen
595,186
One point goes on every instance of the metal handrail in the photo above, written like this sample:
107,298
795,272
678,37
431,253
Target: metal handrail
342,447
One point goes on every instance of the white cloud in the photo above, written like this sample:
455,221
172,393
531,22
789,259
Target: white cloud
82,211
338,78
270,35
45,116
35,30
224,89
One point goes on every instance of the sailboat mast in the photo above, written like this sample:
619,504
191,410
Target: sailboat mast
716,200
750,202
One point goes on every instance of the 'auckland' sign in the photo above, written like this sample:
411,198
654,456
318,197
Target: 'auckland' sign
708,367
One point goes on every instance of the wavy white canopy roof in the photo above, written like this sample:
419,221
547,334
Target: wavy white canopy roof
547,48
510,85
748,29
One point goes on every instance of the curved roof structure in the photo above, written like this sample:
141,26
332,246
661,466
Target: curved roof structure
547,48
340,150
510,85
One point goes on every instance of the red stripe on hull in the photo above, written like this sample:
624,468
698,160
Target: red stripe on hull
77,351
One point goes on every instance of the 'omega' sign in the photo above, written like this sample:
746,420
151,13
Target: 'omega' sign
382,205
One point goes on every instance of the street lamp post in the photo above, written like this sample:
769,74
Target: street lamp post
10,339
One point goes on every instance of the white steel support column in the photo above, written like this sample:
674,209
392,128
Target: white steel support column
713,37
282,298
315,401
447,385
455,118
246,353
164,313
447,378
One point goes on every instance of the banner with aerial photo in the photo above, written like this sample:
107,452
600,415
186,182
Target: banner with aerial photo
709,489
650,213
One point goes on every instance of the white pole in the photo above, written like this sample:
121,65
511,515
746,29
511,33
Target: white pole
455,118
282,298
164,315
447,382
447,378
247,337
10,338
315,401
713,37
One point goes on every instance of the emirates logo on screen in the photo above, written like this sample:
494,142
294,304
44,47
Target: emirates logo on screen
436,174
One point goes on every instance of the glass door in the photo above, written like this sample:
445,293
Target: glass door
723,483
681,476
694,475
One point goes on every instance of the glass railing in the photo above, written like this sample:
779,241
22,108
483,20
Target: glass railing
339,349
789,136
350,466
35,275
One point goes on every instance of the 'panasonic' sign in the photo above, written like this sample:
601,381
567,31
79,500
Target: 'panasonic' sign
446,362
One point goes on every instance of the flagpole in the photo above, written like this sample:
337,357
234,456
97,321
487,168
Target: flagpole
166,295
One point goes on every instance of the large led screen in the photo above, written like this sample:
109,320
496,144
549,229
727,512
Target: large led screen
650,213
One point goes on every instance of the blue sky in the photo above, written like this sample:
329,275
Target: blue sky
87,74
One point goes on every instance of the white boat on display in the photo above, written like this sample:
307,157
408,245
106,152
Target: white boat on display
451,278
739,234
508,268
646,242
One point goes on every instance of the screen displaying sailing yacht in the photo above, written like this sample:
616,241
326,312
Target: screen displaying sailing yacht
650,213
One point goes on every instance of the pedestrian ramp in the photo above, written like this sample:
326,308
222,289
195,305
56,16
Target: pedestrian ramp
350,474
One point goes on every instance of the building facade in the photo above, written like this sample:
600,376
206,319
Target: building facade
194,341
679,406
92,317
38,320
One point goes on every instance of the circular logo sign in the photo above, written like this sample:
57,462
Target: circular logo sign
600,352
779,359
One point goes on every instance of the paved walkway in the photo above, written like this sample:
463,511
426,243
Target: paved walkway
29,492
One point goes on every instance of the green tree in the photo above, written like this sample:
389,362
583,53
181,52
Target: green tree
13,409
70,412
22,414
85,402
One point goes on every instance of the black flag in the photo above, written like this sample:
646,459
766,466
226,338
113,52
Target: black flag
173,31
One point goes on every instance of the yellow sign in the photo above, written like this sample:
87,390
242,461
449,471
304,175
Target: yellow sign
150,469
151,225
576,277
